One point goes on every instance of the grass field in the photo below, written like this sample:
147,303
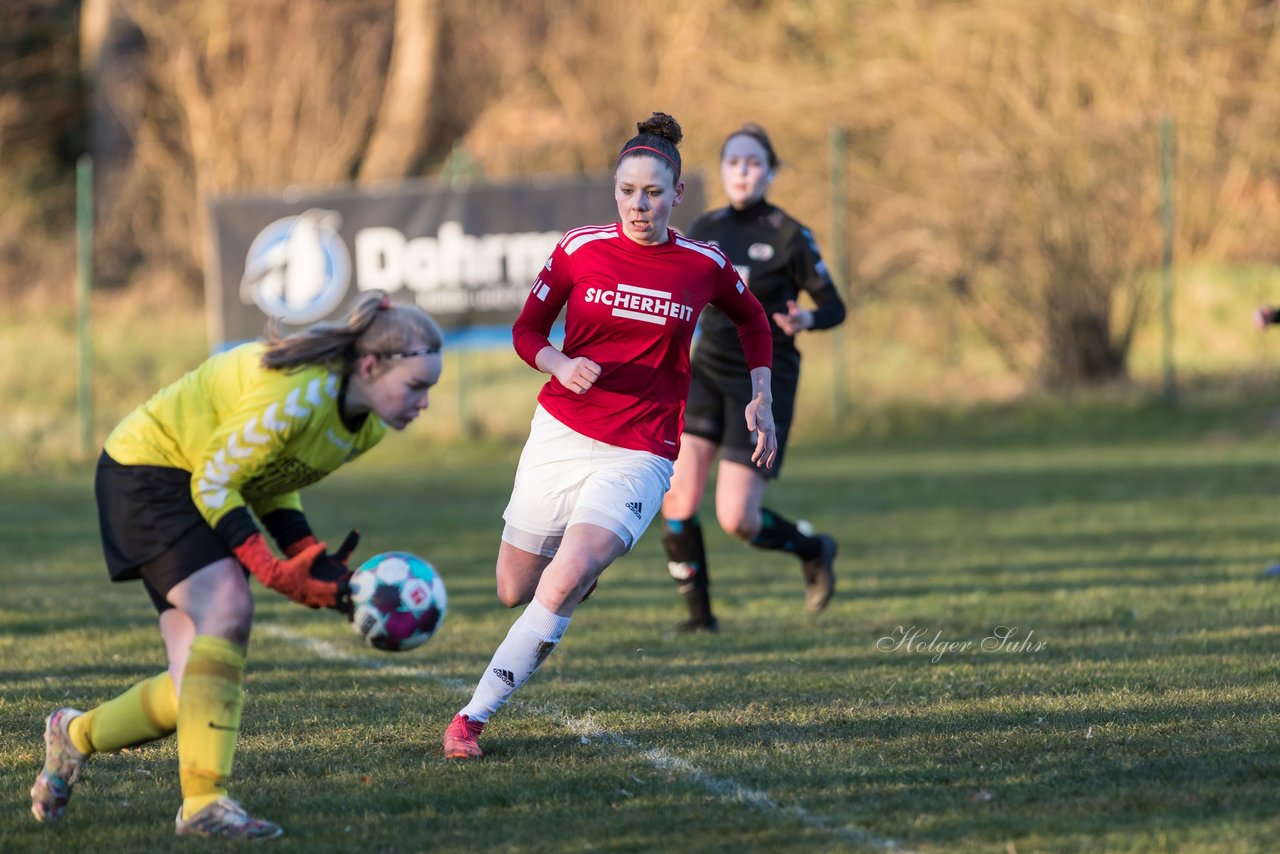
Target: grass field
1126,539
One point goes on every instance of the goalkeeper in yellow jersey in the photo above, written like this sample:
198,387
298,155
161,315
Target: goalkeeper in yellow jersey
175,485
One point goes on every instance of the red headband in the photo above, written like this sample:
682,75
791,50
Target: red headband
655,151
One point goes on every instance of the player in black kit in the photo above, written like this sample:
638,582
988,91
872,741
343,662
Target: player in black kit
777,258
1264,316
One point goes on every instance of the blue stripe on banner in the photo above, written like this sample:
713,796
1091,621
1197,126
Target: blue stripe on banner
491,337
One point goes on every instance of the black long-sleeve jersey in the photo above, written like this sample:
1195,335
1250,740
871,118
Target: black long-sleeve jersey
777,258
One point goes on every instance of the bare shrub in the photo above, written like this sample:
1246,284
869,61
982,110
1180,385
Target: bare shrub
1022,149
1005,158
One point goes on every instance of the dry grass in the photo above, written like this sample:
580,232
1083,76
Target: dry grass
142,338
895,353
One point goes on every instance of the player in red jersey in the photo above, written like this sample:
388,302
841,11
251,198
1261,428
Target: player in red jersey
607,427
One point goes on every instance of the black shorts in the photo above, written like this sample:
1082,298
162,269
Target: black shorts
151,528
717,400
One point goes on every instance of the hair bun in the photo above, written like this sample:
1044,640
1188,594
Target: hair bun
663,125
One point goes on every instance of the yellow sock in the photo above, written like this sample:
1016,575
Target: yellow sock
147,711
208,720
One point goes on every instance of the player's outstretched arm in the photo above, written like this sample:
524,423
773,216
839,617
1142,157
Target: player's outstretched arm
759,415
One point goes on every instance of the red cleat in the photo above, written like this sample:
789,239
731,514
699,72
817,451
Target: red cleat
460,739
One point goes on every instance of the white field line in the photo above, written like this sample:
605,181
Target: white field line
588,730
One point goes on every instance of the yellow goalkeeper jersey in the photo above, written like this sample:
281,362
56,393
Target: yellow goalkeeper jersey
250,436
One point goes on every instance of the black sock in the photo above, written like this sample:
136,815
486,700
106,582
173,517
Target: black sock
687,562
780,534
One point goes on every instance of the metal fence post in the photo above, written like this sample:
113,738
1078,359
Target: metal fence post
1166,216
84,299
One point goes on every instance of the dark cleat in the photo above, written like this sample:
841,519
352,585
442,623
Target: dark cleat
820,576
691,626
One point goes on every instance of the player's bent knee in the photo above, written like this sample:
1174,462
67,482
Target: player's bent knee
678,506
228,614
739,527
568,589
513,596
229,620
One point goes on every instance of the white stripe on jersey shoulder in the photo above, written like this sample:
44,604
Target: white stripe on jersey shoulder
573,232
579,237
703,249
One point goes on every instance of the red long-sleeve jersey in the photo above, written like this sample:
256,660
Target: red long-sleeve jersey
631,309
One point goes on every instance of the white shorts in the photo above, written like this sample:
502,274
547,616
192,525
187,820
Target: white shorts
565,478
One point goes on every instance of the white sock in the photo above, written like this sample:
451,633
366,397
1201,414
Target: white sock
529,641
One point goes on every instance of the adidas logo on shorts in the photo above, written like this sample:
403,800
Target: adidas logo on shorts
635,507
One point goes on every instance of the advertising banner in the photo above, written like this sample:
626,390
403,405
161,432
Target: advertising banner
465,252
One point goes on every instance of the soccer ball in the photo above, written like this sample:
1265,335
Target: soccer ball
398,601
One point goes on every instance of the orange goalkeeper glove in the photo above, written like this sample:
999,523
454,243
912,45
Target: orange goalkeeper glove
310,577
297,547
336,568
342,555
